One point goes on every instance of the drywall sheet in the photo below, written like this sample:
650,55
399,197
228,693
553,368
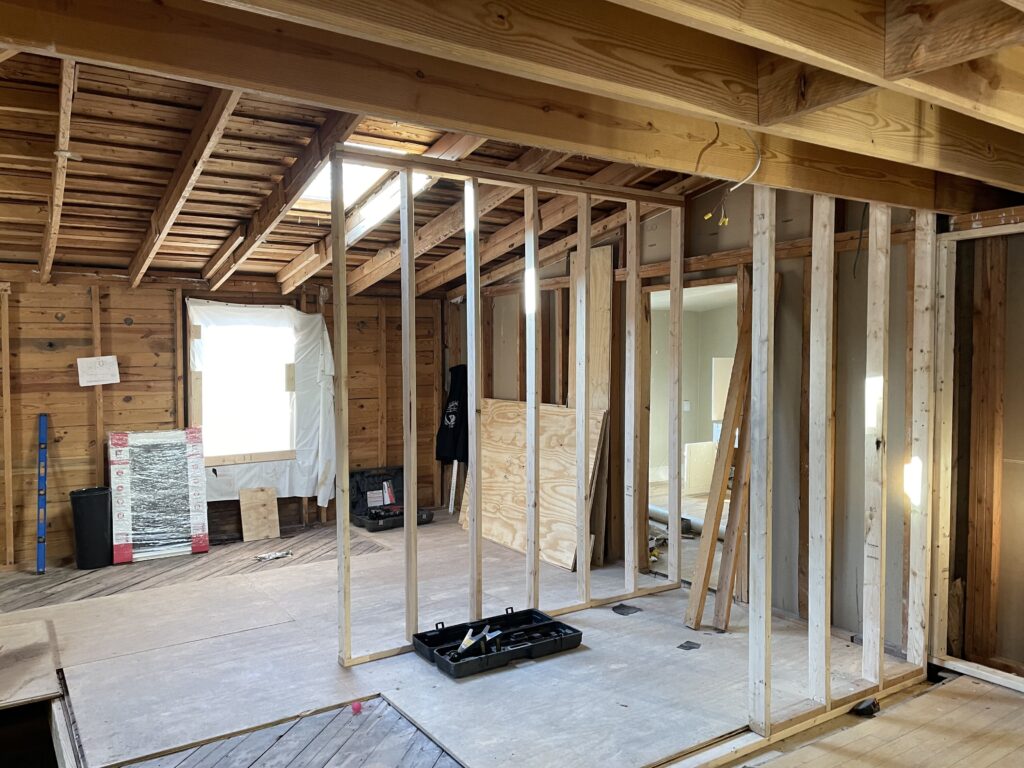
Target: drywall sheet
159,494
503,466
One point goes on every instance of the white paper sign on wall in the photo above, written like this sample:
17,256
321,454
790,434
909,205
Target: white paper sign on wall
98,370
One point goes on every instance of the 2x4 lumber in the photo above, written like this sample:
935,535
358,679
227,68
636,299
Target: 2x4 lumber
531,308
820,451
875,412
448,224
921,431
677,240
558,250
97,390
286,192
581,282
271,57
366,215
474,364
341,415
555,211
68,73
735,529
207,131
941,468
5,390
634,476
461,170
923,36
762,364
409,442
739,383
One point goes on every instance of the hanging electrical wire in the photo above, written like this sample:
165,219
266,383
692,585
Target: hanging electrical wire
723,217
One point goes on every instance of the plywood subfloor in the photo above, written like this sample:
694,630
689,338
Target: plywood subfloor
378,736
153,671
964,723
66,584
28,664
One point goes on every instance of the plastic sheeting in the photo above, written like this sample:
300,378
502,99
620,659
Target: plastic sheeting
311,472
158,494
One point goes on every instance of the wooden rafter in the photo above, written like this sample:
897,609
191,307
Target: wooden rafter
555,211
367,214
207,131
316,155
68,71
787,88
447,224
558,250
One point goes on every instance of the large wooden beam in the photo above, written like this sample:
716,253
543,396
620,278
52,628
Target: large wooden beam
207,131
336,128
923,36
448,223
68,73
565,43
648,69
787,88
875,400
848,38
233,49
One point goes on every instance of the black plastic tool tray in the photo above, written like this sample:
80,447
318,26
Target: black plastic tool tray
526,634
384,518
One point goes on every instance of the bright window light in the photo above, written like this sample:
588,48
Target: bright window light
912,480
246,405
358,179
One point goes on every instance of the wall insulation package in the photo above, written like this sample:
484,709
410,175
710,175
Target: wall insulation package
158,493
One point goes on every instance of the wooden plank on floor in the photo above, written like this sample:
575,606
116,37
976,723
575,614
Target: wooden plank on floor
28,664
259,514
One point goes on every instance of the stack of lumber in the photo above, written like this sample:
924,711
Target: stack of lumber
503,467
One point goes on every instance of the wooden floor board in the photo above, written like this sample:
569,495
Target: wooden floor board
378,736
20,591
964,723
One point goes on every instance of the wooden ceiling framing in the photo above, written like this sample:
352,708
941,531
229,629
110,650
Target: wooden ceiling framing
111,167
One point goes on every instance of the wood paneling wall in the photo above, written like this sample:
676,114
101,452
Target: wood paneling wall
51,327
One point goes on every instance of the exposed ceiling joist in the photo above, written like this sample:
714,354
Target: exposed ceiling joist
68,73
788,88
447,224
241,50
371,211
207,131
287,191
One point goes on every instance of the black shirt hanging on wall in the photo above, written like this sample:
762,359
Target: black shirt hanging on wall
453,434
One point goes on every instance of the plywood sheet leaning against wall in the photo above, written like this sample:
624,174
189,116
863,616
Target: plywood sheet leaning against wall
503,465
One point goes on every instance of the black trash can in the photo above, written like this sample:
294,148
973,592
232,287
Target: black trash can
94,536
